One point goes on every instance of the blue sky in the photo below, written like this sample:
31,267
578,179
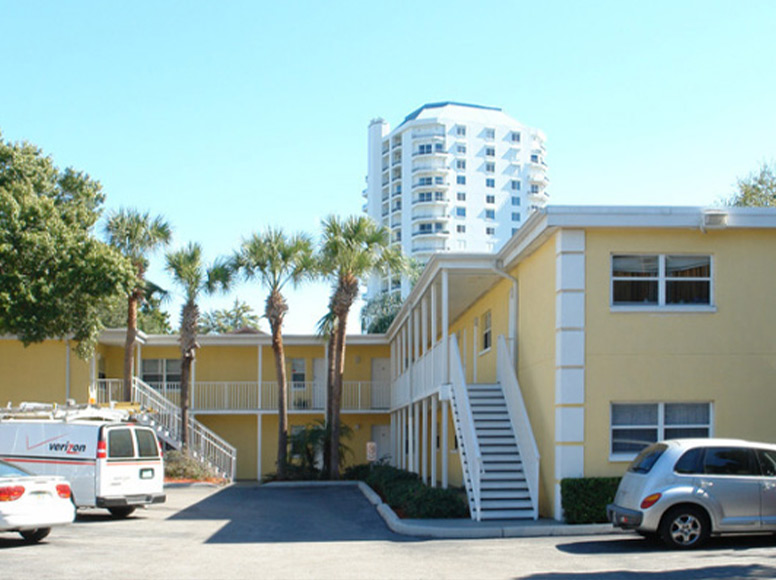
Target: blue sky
228,117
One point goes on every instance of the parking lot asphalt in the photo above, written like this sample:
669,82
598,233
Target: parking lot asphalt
247,531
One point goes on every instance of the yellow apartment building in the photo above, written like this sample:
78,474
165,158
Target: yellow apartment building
593,332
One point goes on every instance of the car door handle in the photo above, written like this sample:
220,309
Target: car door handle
705,484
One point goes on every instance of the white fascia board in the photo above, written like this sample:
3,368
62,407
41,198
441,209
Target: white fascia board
266,340
118,337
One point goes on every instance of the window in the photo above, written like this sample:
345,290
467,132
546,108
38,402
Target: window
439,196
161,373
460,149
120,444
515,185
460,212
424,228
438,227
661,280
460,229
460,163
730,461
534,158
461,196
460,130
460,179
424,149
515,136
490,151
490,167
490,214
515,200
534,188
439,180
636,425
490,182
146,443
490,231
297,373
424,196
515,217
486,331
489,133
490,199
439,147
424,181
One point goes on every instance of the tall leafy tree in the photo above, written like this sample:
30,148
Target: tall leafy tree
351,249
136,235
758,189
56,277
194,277
224,320
275,260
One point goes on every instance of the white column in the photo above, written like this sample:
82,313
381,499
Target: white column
445,451
394,456
416,438
416,333
411,437
424,441
424,322
192,382
445,327
433,454
433,314
259,371
258,448
475,346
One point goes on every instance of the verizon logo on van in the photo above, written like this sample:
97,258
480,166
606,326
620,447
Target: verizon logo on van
59,447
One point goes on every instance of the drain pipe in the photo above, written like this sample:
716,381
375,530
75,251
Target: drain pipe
498,268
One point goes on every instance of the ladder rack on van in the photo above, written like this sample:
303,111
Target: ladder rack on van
69,412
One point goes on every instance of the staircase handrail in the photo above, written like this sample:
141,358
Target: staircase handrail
469,442
518,415
203,441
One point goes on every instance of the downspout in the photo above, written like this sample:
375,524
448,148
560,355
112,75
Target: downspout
497,268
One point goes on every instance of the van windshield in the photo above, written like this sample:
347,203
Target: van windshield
647,458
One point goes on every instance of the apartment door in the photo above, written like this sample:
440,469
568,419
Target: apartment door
319,383
381,434
381,383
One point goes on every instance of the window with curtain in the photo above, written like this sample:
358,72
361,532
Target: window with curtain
634,426
661,280
486,331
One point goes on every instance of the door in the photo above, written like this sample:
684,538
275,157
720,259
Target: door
381,383
319,383
381,435
767,459
732,480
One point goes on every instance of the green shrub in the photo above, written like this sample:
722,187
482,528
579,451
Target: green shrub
180,466
407,494
584,499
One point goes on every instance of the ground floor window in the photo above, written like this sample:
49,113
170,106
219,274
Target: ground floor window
636,425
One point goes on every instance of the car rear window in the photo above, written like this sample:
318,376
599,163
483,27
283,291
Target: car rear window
647,458
146,443
690,462
120,443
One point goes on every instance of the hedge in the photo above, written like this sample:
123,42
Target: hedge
584,499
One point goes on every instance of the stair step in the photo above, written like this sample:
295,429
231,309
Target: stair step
515,485
494,439
513,494
481,425
500,457
506,514
488,408
513,475
490,448
506,504
492,468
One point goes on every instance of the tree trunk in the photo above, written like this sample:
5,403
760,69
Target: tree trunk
129,345
185,381
336,403
276,308
331,368
189,346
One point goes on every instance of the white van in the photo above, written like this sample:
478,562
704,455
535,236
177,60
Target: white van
109,463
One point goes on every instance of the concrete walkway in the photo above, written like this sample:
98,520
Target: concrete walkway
460,528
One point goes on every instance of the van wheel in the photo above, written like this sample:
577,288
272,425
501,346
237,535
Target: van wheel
35,535
121,512
685,527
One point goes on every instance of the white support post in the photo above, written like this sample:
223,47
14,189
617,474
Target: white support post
416,334
416,438
445,327
411,438
393,440
475,346
258,378
424,322
445,451
433,314
433,442
258,445
424,441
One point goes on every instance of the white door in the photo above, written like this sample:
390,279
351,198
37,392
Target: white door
381,434
381,383
319,383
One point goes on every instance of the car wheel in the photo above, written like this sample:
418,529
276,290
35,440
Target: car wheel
35,535
685,527
121,512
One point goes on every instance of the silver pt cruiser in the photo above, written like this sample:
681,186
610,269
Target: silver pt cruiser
684,490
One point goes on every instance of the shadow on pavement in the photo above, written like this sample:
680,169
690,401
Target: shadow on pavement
710,572
257,514
637,545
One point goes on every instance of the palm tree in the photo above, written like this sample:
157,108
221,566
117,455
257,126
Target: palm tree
135,235
187,269
350,250
274,260
326,328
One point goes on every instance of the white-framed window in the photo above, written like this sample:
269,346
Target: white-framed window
633,426
424,149
489,133
460,229
162,373
515,185
661,280
461,196
490,167
515,217
490,198
490,214
439,196
490,231
460,163
460,179
298,373
534,188
487,335
490,151
515,200
490,182
515,136
460,211
460,130
460,149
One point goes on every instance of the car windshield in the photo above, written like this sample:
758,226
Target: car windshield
647,458
8,470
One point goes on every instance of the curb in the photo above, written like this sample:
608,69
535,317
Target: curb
399,526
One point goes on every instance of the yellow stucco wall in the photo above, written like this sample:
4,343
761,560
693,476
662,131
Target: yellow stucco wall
727,357
241,431
39,372
536,358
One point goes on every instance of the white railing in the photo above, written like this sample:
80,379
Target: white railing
109,390
518,415
203,443
422,379
469,447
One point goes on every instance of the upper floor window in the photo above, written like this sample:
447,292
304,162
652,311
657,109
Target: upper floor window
486,331
534,158
460,163
460,212
161,372
490,231
515,185
461,229
515,217
534,188
490,214
661,280
515,137
490,182
515,200
489,133
460,130
490,167
490,199
460,179
298,373
424,149
461,196
490,151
